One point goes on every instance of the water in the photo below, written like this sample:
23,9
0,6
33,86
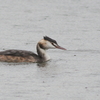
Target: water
70,75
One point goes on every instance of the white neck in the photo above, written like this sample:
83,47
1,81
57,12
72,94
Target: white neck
42,53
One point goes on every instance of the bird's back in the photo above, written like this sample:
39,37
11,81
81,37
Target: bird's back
18,56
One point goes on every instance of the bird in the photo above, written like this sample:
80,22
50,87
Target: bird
28,56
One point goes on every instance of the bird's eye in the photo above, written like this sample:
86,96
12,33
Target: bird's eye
53,44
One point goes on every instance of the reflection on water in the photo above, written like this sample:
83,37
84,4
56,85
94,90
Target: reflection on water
43,64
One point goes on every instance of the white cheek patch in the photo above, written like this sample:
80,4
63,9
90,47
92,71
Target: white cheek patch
49,45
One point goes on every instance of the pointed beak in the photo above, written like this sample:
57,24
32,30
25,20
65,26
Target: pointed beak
59,47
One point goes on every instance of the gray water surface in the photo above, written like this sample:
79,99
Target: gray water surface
73,74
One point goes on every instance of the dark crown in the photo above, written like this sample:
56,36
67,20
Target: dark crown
49,39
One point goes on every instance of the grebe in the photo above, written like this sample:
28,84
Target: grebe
28,56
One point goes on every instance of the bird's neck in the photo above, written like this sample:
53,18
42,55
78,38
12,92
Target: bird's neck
42,53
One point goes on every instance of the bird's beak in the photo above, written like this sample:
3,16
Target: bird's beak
59,47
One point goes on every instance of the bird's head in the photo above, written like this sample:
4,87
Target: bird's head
48,43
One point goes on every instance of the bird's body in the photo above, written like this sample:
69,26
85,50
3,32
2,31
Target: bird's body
18,56
28,56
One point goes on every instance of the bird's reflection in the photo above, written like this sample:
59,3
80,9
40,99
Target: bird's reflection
43,64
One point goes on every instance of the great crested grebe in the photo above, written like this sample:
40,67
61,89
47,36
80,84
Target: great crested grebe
28,56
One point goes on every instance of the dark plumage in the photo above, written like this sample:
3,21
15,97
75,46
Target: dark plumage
49,39
21,53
